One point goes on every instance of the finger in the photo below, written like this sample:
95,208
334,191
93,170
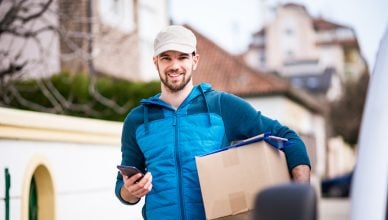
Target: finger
140,188
146,178
144,185
130,183
135,178
147,185
150,187
143,191
125,179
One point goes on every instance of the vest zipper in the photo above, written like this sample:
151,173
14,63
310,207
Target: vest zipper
176,124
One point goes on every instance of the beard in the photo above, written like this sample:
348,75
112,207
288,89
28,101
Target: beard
174,87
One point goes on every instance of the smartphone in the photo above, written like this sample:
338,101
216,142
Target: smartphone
128,170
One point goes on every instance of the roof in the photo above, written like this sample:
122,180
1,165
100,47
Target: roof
261,32
227,73
321,24
294,5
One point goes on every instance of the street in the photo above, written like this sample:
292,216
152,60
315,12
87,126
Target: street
334,209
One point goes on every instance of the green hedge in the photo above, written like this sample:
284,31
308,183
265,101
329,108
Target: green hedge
74,88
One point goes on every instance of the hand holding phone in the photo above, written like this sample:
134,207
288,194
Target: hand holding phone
128,170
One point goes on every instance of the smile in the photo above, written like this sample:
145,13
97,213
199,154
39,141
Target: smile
174,75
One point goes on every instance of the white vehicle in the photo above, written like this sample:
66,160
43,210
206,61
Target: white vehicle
369,193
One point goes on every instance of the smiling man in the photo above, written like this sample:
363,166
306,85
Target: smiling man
163,135
175,59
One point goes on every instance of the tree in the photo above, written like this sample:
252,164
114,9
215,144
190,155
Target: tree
346,113
43,27
17,28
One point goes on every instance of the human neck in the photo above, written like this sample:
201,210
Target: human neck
175,98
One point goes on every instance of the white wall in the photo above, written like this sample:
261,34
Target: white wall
341,157
303,121
332,56
299,119
125,49
83,175
153,16
291,31
42,53
82,166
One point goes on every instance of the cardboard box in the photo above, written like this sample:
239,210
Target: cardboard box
230,179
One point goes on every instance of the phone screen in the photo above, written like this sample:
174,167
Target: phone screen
128,170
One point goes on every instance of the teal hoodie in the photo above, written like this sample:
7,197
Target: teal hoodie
164,141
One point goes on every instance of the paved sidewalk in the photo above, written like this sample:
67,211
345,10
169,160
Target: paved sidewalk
334,209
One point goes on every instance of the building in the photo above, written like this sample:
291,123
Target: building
312,53
120,34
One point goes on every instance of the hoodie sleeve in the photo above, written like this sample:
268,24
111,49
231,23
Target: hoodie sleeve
251,122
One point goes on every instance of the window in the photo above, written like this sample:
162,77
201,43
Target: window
262,59
288,31
312,82
33,201
39,201
297,82
290,53
119,14
288,41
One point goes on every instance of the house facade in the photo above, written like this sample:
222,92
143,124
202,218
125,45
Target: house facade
97,37
118,36
310,52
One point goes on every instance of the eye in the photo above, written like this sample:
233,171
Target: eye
184,57
165,58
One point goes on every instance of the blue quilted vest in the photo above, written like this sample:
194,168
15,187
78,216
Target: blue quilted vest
170,145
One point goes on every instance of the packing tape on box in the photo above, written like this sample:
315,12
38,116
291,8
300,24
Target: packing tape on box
238,202
230,158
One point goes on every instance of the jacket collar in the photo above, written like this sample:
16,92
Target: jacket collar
195,92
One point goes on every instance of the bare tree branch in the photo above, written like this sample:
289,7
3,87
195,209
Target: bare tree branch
25,102
105,101
23,22
12,69
43,8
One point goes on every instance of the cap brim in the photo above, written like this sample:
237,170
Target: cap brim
174,47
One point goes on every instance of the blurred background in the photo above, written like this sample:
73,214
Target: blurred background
71,70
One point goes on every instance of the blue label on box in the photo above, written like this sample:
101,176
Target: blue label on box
277,142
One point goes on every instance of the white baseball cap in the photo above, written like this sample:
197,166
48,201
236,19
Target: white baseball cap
175,37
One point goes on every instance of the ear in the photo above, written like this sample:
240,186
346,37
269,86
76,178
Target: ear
195,61
155,60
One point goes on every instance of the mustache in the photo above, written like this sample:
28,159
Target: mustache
173,71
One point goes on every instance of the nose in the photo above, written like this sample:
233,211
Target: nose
174,65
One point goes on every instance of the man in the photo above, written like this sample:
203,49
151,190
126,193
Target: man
163,135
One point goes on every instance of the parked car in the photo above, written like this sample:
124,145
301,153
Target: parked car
338,186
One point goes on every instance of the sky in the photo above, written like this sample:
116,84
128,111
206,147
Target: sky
230,23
